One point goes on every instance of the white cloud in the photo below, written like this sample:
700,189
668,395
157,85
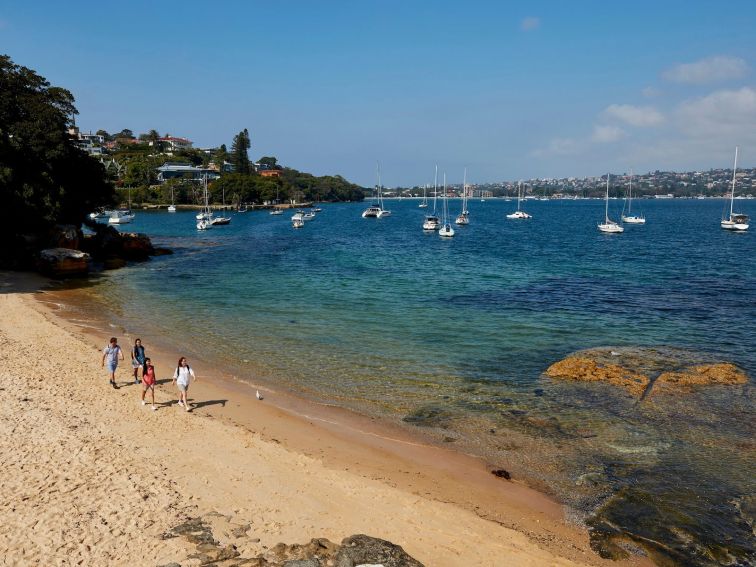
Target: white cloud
650,92
559,147
634,115
530,23
709,70
727,115
606,134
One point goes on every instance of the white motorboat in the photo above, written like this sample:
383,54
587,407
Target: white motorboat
519,213
220,220
630,218
308,216
609,226
735,221
298,216
297,222
371,212
276,212
204,224
446,230
101,214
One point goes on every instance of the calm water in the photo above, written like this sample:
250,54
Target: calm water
450,338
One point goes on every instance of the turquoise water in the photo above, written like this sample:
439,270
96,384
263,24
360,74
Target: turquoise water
450,338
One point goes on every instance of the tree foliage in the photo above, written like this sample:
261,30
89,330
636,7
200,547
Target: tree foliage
45,178
240,152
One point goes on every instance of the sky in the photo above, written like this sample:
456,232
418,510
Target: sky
510,90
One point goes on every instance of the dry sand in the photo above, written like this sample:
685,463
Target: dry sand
89,476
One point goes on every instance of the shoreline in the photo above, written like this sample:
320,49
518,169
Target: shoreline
345,443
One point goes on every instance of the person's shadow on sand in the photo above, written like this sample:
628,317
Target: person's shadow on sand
197,405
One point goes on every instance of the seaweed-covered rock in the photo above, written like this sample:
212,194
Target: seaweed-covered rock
362,549
585,369
63,262
702,375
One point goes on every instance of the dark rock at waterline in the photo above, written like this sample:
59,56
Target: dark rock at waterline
429,416
64,236
162,252
63,262
136,246
501,473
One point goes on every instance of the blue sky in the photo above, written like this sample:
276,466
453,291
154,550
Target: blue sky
509,89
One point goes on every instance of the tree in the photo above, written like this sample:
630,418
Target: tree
220,157
104,134
45,179
239,152
125,133
269,162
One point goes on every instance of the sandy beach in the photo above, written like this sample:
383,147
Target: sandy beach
91,477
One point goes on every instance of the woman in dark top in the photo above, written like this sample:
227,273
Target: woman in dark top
137,359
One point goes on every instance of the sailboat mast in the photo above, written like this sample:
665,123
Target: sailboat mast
519,193
732,192
378,174
630,195
435,189
446,209
464,192
606,214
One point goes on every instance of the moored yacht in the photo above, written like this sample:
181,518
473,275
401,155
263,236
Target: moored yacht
609,225
735,221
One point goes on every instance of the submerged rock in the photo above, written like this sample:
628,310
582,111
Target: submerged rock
585,369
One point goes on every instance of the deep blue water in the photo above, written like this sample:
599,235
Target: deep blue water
454,334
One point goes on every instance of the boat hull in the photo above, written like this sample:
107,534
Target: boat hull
634,220
611,228
519,215
735,226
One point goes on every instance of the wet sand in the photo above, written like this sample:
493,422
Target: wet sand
96,477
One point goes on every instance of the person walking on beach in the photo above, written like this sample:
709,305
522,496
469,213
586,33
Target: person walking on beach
137,359
181,377
111,353
148,382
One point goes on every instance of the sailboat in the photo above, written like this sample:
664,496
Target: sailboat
630,218
432,222
376,210
205,216
122,216
519,213
609,225
424,204
464,216
736,221
446,229
172,206
221,220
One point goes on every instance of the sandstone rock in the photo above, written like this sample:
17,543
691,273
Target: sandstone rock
584,369
702,375
361,549
63,262
136,246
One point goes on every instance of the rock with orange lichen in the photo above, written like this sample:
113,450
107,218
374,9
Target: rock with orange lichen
701,375
584,369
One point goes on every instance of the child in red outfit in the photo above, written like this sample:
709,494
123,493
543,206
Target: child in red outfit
148,382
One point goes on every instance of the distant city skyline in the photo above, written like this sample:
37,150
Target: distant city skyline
508,90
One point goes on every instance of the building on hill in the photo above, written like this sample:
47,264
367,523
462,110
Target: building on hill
270,172
174,144
171,170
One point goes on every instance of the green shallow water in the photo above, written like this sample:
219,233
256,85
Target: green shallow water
450,338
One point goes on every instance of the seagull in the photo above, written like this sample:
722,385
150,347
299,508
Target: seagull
258,395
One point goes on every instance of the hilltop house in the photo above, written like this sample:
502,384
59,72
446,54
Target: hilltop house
171,170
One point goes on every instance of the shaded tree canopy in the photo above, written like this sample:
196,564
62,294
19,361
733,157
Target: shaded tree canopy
45,178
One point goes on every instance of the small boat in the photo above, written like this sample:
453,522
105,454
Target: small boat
276,212
101,214
220,220
630,218
308,216
172,206
424,204
204,224
317,210
446,230
297,222
519,213
205,214
431,221
242,209
376,210
297,216
609,226
121,217
464,216
735,221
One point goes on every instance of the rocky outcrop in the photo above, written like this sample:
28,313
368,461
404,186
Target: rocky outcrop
702,375
65,236
63,262
136,246
354,551
645,371
585,369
